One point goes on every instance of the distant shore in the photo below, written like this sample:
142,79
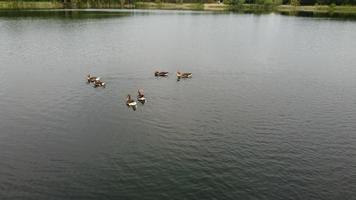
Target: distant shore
19,5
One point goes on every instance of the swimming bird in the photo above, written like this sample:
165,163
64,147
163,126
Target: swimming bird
99,83
158,73
130,101
184,75
91,79
140,96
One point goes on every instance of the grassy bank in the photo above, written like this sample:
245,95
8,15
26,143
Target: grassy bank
59,5
315,9
246,7
169,6
30,5
176,6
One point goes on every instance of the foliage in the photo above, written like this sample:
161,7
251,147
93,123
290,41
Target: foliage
253,4
198,6
302,2
234,2
328,2
295,2
265,2
277,2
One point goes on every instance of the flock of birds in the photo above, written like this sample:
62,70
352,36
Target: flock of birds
140,96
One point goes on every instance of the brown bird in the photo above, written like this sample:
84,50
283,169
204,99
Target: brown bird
184,75
91,79
130,101
99,83
158,73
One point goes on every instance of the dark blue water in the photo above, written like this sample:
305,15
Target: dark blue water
269,113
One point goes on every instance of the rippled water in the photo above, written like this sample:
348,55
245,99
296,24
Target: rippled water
269,113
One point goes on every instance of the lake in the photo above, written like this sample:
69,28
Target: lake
269,113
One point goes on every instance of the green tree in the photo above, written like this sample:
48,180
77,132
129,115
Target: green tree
295,2
122,3
234,2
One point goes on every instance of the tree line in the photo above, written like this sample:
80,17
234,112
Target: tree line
229,2
292,2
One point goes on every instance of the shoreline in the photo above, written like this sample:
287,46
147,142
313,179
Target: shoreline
22,5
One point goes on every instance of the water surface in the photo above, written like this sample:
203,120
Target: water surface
269,113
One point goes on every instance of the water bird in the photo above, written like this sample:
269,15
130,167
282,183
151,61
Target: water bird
130,101
140,96
158,73
91,79
184,75
99,83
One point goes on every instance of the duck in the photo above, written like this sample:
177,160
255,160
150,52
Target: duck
184,75
140,96
130,101
91,79
99,83
158,73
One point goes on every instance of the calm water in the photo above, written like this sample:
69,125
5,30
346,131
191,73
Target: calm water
270,112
